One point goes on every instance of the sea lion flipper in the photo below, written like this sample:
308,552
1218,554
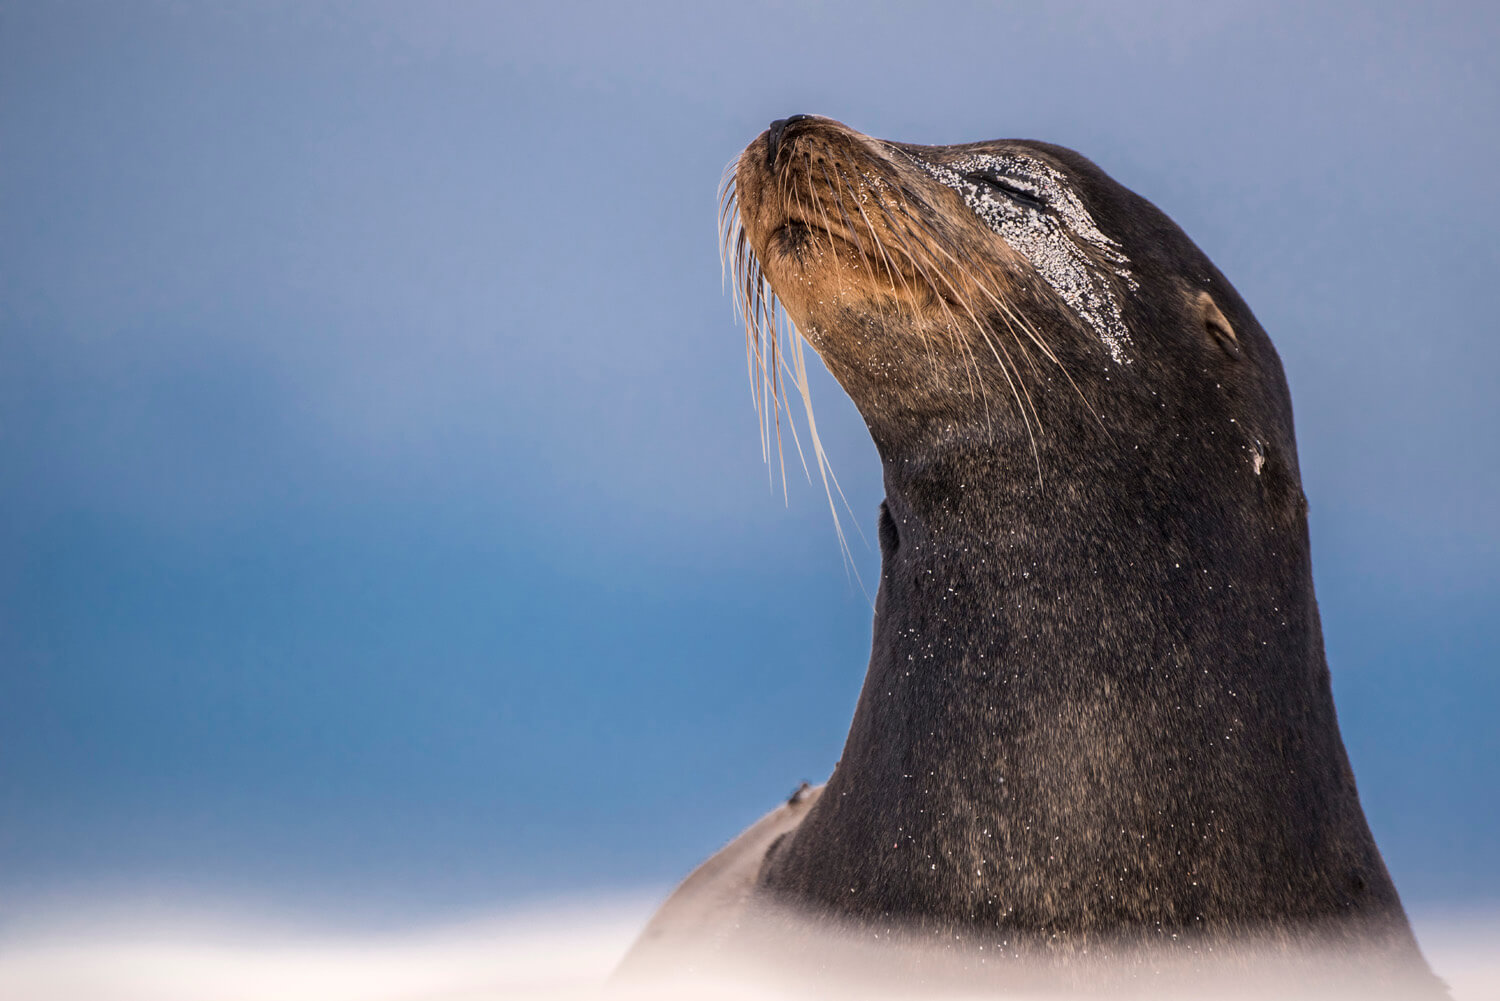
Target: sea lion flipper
708,904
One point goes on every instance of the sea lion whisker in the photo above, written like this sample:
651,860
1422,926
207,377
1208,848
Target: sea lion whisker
767,336
971,369
767,326
769,306
825,470
726,206
765,330
748,286
892,271
1017,387
794,336
983,328
1005,312
937,242
920,329
1035,336
794,349
1008,370
828,229
853,234
755,290
732,231
924,272
921,332
760,387
797,371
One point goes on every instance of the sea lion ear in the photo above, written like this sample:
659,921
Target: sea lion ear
1216,324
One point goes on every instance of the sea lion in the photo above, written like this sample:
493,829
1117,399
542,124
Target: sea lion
1097,721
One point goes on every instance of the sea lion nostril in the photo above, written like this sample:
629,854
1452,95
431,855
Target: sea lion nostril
773,140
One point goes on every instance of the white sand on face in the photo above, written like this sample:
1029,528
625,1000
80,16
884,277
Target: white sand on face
545,952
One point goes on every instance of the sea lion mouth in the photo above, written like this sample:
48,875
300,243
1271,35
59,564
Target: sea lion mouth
818,179
792,237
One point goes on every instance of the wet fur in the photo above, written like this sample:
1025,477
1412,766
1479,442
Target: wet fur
1097,713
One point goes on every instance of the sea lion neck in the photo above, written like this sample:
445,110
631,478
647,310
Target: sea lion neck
1061,546
1071,677
961,481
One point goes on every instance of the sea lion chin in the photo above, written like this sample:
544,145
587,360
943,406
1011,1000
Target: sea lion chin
1096,736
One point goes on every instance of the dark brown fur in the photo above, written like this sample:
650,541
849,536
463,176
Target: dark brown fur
1097,715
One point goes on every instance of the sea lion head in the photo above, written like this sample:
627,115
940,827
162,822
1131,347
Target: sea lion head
1004,293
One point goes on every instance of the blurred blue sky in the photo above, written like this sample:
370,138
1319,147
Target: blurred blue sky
383,525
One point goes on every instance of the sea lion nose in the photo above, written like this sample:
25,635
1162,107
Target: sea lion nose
773,141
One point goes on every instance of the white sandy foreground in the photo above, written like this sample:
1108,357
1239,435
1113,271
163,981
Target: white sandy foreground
560,951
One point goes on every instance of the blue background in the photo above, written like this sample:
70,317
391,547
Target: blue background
383,526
